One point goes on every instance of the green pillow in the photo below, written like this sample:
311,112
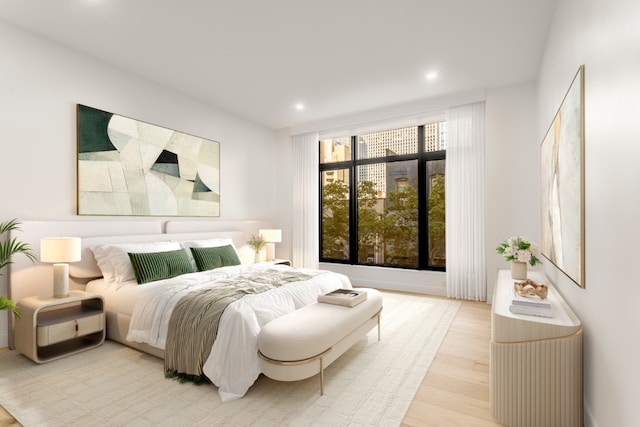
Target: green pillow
150,266
219,256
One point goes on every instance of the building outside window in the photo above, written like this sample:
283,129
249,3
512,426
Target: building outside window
382,198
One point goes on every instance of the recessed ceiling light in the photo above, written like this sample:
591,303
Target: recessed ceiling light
432,75
299,106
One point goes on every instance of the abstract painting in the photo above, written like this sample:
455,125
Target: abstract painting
129,167
562,185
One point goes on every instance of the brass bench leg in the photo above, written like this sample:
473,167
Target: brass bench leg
321,378
300,362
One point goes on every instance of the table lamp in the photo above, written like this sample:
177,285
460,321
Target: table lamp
271,237
60,251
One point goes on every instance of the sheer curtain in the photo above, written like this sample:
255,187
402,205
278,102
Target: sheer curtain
305,200
464,186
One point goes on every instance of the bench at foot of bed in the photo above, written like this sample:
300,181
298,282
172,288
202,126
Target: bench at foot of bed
303,343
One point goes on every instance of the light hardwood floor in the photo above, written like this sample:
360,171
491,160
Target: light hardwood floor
455,390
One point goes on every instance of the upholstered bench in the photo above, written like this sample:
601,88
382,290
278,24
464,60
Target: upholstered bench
303,343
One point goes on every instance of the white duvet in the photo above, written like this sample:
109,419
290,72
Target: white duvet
233,364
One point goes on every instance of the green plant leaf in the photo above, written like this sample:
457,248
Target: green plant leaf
7,304
13,246
10,247
10,225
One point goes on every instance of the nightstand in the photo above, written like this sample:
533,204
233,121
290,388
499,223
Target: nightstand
50,328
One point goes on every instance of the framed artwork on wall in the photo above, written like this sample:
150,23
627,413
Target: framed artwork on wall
130,167
562,185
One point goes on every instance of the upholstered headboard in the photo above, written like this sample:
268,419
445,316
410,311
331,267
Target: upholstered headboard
27,279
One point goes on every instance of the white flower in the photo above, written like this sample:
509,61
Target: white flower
520,249
524,255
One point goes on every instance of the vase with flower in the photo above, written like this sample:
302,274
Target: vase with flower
519,251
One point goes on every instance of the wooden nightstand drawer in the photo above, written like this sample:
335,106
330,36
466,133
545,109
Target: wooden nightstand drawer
51,334
51,328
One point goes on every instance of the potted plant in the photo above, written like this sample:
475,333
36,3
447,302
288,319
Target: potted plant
256,242
9,247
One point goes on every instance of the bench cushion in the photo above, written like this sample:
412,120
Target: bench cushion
313,329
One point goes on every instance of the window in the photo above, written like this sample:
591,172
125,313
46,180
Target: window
382,198
401,183
335,214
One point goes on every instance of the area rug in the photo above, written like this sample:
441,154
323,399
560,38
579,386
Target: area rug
372,384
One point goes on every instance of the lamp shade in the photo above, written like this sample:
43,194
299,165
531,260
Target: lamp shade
271,235
60,249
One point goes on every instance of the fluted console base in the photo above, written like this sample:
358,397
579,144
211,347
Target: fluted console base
536,362
537,383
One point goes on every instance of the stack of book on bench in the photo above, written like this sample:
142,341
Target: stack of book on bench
346,297
530,305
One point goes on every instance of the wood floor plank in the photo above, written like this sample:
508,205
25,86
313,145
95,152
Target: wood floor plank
429,415
471,370
464,388
472,406
7,420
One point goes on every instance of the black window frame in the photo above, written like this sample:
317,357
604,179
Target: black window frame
423,157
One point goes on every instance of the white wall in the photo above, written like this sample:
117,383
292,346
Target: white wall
283,188
604,35
511,178
40,85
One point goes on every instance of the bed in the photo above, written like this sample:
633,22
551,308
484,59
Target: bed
139,314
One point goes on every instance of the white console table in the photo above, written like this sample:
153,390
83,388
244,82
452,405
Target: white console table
536,362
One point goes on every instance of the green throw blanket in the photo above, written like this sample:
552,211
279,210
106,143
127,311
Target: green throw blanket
193,325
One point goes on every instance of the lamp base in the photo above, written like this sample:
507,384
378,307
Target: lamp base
60,280
271,251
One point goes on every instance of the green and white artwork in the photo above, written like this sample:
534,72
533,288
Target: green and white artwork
129,167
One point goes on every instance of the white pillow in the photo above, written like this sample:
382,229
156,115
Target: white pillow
206,243
114,262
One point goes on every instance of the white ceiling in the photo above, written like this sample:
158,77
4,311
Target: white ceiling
259,58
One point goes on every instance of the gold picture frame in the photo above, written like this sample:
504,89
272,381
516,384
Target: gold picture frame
562,239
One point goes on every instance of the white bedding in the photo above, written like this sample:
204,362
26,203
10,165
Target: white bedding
120,299
233,363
